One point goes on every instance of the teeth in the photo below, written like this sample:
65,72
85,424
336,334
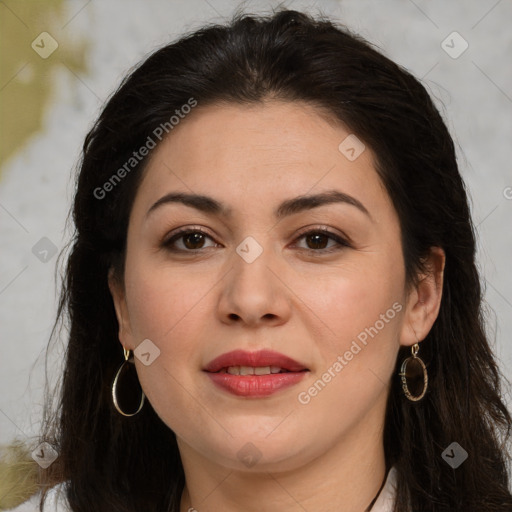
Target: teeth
250,370
263,370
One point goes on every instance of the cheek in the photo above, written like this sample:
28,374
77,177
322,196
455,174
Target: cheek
160,300
170,309
353,300
357,352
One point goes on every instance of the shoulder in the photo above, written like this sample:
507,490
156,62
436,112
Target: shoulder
55,502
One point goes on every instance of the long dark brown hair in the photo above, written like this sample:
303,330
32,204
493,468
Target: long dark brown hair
113,463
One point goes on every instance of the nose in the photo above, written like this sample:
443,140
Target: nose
254,293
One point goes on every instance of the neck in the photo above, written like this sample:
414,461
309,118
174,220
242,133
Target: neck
346,478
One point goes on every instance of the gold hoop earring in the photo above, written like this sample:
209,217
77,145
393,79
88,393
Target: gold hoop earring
416,368
126,371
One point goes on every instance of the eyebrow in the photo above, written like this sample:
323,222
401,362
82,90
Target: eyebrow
289,207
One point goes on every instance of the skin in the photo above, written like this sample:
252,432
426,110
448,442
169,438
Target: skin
324,455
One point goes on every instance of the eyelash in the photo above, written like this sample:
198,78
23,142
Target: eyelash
341,242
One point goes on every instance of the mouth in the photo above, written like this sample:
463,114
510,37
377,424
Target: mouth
254,374
255,370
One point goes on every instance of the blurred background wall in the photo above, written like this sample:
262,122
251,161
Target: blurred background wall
59,61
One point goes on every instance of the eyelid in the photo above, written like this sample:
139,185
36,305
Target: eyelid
184,231
319,228
341,240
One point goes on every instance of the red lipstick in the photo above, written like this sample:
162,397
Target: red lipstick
254,374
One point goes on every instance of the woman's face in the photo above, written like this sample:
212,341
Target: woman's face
257,274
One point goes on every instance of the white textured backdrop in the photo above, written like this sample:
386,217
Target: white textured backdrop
474,92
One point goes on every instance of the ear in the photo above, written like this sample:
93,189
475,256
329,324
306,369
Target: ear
424,300
123,319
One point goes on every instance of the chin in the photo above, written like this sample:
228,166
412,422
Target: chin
254,451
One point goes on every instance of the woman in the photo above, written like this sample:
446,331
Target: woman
272,290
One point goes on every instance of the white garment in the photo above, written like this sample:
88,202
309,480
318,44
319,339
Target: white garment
384,502
386,498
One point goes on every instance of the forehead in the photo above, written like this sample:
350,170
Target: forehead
259,153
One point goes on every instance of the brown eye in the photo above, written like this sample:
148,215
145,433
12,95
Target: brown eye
189,240
317,241
193,240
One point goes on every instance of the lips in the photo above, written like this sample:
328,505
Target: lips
254,374
259,359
